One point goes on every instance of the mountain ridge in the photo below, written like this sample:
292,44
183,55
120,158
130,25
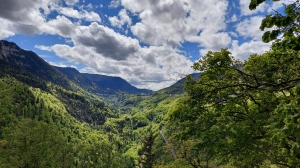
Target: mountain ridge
21,63
101,84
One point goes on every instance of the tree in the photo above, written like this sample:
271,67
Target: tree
286,24
147,156
232,110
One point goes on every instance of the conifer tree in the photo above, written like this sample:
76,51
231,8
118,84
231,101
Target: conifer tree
146,153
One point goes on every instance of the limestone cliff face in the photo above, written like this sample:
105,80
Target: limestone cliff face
11,52
7,49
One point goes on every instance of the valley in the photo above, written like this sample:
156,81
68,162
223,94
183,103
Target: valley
222,83
98,121
59,117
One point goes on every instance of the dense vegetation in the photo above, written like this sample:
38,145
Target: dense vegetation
37,131
246,114
236,114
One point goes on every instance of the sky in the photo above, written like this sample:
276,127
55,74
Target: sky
149,43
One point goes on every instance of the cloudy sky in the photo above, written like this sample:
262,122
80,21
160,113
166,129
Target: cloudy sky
149,43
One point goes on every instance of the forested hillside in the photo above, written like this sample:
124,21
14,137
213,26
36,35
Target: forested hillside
37,131
231,113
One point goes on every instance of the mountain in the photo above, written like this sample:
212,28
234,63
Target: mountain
28,68
26,65
101,84
177,88
23,64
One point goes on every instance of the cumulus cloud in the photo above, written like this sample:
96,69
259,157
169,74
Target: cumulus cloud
42,47
71,2
87,70
21,17
172,22
114,4
60,64
86,15
6,29
234,18
121,19
60,26
244,50
5,33
106,42
212,41
250,27
26,11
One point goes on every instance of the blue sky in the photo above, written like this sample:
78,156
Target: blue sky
149,43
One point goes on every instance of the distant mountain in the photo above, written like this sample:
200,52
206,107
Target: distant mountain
29,68
177,88
101,84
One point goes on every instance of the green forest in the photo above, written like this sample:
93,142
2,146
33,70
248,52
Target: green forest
235,114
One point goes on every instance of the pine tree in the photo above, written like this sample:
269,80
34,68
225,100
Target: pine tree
147,156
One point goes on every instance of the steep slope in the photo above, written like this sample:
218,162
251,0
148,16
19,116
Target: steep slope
28,67
101,84
37,131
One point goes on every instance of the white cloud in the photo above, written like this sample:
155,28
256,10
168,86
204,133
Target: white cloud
91,16
106,42
6,29
70,12
21,17
244,50
249,27
87,70
234,18
27,11
86,15
58,64
5,33
42,47
172,22
212,41
60,25
122,19
114,4
71,2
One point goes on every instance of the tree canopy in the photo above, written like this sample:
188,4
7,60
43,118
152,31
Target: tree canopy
243,113
285,25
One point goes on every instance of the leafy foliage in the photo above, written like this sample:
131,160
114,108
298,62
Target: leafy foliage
285,24
231,112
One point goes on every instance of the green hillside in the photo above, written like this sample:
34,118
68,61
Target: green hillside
37,131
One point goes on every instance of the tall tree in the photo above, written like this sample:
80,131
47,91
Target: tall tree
147,156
